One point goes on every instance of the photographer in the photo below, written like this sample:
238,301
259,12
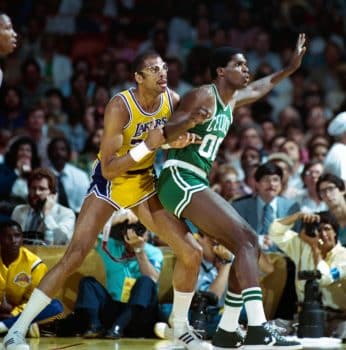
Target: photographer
317,248
43,219
128,306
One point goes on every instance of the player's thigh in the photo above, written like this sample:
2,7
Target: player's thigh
169,228
214,215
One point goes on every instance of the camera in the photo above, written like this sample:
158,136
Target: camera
119,230
312,315
311,228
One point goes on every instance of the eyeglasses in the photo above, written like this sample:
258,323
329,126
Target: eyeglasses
156,69
329,189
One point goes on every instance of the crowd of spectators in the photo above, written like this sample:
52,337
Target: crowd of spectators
73,56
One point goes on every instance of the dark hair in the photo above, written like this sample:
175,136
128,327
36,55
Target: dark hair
56,140
44,173
12,153
268,168
220,58
9,223
326,217
309,165
28,62
328,177
138,63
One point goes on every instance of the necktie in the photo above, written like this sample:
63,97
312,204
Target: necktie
268,218
35,221
62,196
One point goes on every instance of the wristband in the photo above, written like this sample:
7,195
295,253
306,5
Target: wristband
137,250
139,152
166,146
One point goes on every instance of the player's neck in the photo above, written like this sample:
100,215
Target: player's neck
226,94
148,100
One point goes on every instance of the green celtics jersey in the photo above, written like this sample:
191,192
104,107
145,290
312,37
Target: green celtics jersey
212,133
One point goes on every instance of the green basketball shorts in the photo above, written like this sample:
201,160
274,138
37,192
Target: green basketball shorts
176,187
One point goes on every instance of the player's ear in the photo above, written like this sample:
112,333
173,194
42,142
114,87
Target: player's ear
138,78
220,71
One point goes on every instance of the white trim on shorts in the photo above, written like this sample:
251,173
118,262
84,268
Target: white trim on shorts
186,166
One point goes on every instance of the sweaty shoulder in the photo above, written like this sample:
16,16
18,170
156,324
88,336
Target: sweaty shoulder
116,110
200,96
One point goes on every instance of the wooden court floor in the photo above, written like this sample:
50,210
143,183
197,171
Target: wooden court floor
103,344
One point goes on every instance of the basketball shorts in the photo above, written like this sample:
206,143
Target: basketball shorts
176,187
125,191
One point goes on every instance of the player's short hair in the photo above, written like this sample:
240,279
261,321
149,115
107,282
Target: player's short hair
220,57
138,63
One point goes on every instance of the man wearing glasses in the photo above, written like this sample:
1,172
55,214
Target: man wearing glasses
331,189
123,177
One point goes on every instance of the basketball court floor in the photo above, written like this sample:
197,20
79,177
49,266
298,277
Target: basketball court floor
123,344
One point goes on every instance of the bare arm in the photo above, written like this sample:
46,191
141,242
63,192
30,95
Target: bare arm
194,108
116,117
261,87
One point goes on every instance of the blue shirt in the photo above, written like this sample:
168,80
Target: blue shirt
116,272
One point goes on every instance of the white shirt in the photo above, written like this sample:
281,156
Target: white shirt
333,291
60,221
335,161
76,184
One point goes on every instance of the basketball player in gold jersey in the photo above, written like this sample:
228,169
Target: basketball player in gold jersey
123,177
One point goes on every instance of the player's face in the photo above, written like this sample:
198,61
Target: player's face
8,37
154,74
237,71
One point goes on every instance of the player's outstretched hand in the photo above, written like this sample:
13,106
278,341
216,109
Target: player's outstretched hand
299,52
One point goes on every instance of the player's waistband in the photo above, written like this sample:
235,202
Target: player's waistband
186,166
139,171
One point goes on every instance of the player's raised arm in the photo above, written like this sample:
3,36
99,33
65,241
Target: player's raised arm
261,87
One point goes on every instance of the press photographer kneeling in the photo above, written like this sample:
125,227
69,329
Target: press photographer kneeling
316,249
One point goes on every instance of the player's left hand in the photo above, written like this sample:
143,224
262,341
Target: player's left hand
186,139
299,52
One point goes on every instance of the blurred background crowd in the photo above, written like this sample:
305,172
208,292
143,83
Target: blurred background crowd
74,55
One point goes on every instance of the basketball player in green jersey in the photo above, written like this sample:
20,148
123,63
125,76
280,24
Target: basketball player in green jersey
184,190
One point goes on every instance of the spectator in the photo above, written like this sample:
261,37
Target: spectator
261,209
32,86
310,201
43,217
122,76
174,76
20,272
128,306
72,182
20,159
322,252
12,115
331,190
335,161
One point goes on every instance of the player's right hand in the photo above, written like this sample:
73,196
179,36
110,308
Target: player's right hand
155,138
199,115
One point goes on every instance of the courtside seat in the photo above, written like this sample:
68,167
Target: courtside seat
93,266
272,284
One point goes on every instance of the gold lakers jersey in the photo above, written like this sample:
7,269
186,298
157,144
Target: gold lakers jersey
138,183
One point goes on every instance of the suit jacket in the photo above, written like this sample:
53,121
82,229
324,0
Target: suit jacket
247,209
60,221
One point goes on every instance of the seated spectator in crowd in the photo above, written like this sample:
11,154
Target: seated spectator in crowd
175,76
43,218
318,151
331,190
72,181
292,149
128,305
20,273
20,159
261,209
86,159
318,249
335,161
309,200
